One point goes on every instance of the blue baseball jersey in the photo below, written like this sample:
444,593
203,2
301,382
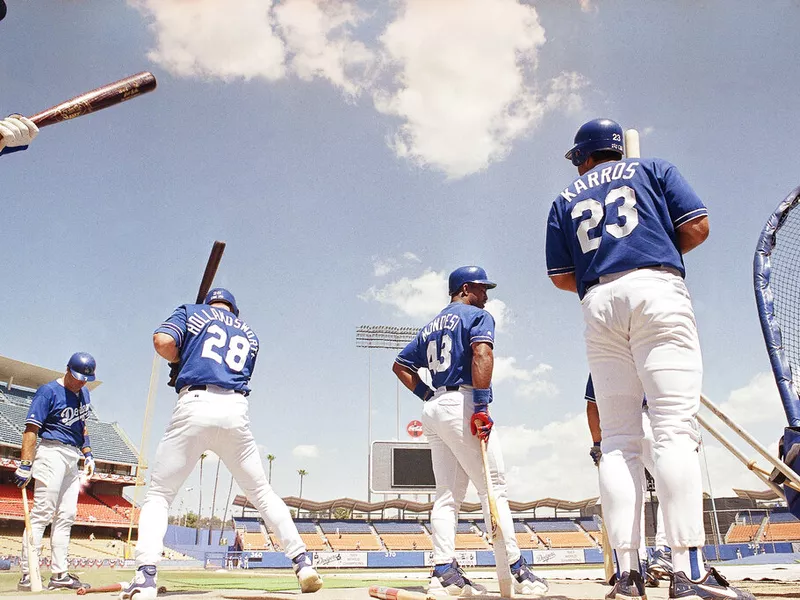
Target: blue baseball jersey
60,414
590,397
444,346
619,216
217,347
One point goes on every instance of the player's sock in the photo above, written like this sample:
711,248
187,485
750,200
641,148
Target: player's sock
628,560
688,560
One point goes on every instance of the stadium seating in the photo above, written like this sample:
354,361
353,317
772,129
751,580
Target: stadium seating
91,510
403,535
11,500
782,527
254,541
741,532
566,539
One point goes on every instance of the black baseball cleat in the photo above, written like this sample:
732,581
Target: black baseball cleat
629,586
24,584
66,581
711,587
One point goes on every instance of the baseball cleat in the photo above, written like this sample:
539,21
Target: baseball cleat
629,586
66,581
450,580
711,587
307,576
24,584
144,584
526,582
660,564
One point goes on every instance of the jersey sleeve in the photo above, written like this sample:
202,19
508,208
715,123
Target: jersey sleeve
8,150
482,329
175,326
557,248
40,407
412,356
683,203
589,394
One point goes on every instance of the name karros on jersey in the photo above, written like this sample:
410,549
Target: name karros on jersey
615,172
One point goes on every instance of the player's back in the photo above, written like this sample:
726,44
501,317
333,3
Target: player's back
220,349
445,343
621,215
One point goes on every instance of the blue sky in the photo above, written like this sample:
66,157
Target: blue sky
351,154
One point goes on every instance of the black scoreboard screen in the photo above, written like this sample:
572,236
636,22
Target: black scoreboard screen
412,468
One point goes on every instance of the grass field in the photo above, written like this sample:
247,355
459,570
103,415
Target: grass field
198,581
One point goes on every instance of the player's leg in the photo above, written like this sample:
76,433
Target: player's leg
619,399
66,510
666,349
439,416
47,472
238,450
648,459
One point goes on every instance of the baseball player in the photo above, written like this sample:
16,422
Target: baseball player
217,354
616,236
457,349
16,132
57,416
661,562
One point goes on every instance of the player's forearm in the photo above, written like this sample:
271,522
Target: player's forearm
29,443
166,347
406,376
482,365
566,282
593,418
692,234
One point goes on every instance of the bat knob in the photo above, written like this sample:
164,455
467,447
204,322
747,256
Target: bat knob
81,591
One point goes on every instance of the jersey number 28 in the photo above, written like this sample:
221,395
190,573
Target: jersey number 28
237,348
627,217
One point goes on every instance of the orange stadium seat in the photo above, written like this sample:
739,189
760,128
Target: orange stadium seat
527,540
254,541
313,541
566,539
741,533
470,541
354,541
781,532
406,541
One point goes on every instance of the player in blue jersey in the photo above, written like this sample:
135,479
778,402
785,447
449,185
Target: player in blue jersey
16,133
57,416
616,236
217,352
457,348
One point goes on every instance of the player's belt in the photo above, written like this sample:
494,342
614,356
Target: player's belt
203,388
594,282
452,388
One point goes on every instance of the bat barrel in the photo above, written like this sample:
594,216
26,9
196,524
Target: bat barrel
97,99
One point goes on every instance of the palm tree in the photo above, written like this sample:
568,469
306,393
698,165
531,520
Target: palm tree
302,473
270,458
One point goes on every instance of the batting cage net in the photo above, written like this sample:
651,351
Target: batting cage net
776,271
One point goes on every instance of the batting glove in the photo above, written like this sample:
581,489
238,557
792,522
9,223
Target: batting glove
596,453
23,473
16,130
481,423
174,371
88,465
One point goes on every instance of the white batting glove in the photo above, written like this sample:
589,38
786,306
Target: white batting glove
16,130
88,466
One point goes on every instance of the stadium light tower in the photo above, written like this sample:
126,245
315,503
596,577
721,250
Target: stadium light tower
384,337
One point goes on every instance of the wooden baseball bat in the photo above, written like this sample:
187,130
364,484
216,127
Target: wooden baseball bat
97,99
608,554
387,593
211,270
30,546
114,587
498,544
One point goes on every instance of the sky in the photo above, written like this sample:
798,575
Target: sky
352,153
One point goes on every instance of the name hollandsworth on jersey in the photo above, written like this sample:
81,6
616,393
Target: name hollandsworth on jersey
196,321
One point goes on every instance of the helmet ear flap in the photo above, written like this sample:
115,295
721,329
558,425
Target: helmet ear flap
577,157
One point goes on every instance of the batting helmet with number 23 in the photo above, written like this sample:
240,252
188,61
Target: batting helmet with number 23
596,135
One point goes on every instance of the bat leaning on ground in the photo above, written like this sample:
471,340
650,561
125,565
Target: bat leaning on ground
114,587
97,99
498,544
30,547
387,593
205,284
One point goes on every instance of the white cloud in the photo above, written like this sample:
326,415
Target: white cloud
382,266
501,313
305,451
411,257
317,35
420,298
757,402
463,86
205,38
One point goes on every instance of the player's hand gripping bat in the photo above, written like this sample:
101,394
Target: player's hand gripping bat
97,99
205,284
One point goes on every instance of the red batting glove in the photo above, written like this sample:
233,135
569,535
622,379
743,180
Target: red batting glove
481,424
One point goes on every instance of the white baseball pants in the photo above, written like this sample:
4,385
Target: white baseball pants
55,498
641,338
456,457
648,460
214,419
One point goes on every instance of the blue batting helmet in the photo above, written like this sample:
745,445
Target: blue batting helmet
596,135
81,366
2,10
222,295
469,274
